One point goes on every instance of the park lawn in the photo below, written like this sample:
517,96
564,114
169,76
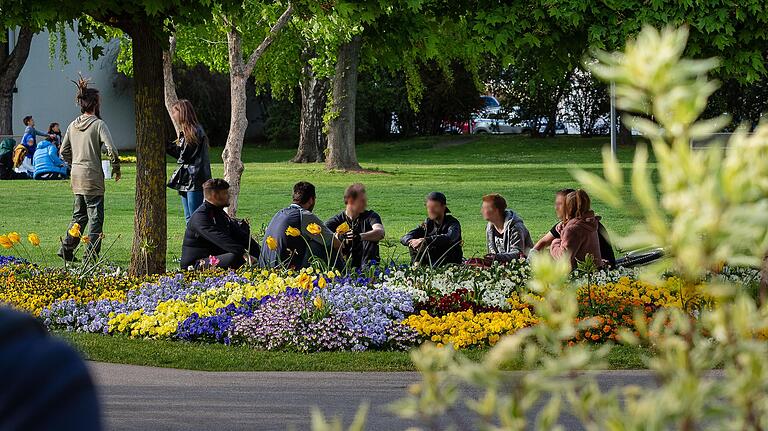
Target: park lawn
525,170
218,357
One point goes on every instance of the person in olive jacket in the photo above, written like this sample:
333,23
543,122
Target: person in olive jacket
437,241
191,151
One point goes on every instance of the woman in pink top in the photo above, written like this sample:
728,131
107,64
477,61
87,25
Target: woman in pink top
578,231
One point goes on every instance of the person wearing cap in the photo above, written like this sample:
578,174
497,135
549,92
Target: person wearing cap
437,241
363,231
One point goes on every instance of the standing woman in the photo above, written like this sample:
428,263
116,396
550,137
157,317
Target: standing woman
191,151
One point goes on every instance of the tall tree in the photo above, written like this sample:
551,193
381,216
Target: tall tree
12,59
143,21
243,26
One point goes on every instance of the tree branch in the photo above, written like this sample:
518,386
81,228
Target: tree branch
281,22
169,85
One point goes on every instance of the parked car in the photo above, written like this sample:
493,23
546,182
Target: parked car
527,126
491,105
496,126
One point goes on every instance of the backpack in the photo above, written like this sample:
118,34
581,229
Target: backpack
18,155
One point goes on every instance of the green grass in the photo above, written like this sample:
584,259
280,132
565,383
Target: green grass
527,171
217,357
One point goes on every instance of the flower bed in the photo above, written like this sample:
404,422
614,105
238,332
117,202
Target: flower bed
387,308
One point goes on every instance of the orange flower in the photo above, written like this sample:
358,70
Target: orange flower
595,337
606,329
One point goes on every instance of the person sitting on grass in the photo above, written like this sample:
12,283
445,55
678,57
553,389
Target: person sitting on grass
606,248
295,235
577,233
506,235
7,171
364,228
437,241
48,164
213,238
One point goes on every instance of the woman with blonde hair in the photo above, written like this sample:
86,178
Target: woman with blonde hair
578,231
191,152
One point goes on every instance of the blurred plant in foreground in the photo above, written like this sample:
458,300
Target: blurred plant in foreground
711,209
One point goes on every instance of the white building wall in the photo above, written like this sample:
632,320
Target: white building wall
49,95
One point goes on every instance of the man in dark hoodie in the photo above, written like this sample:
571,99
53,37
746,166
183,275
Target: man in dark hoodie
213,237
81,149
437,241
506,235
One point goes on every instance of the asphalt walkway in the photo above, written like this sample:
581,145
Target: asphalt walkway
147,398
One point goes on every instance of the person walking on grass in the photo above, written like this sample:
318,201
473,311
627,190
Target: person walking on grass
81,149
437,241
191,151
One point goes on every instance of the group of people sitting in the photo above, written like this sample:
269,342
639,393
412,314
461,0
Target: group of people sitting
296,236
33,159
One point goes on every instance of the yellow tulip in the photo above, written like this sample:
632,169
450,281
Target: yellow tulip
343,228
74,231
292,231
318,302
5,242
321,283
314,228
14,237
272,243
34,239
86,239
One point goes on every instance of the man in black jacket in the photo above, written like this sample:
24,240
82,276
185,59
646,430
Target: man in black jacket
437,241
213,237
360,241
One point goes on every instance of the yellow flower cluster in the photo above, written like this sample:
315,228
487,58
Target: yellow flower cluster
672,293
28,290
168,314
467,328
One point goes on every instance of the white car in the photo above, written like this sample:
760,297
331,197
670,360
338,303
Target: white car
495,126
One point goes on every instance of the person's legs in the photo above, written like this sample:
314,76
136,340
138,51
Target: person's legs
230,261
79,216
95,208
194,200
185,206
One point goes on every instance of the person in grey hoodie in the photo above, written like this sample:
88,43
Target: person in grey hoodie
506,235
81,149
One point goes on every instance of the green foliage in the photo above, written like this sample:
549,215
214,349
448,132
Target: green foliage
711,209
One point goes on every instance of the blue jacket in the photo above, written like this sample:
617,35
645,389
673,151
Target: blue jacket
47,159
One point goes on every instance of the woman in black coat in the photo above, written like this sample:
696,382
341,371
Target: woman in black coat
191,151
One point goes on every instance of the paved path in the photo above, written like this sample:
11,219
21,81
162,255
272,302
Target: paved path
137,398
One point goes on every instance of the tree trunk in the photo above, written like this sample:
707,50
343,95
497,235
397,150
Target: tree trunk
149,237
625,135
239,71
341,129
314,95
10,68
233,149
169,85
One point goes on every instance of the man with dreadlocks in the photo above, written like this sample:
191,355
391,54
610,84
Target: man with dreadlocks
81,149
